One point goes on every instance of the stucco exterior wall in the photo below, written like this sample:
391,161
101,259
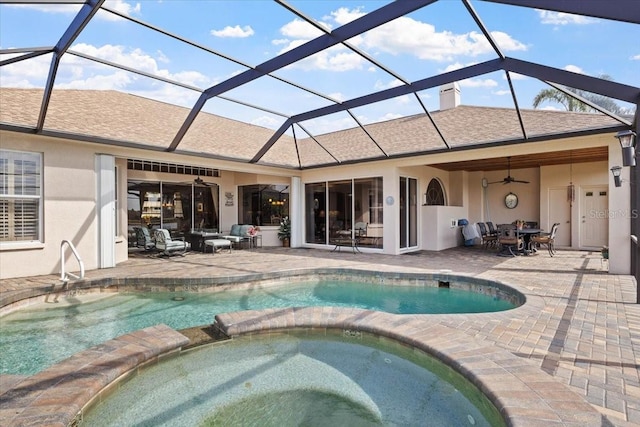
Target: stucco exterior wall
70,196
69,208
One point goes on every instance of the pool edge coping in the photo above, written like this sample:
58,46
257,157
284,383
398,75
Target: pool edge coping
57,395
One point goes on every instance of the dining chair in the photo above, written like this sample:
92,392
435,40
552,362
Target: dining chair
547,239
491,229
508,239
487,238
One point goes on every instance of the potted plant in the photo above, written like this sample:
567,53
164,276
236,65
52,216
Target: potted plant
284,233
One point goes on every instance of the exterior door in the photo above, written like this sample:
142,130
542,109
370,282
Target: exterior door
560,212
408,224
594,218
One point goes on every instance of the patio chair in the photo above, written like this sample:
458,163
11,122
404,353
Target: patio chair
487,238
169,245
547,239
360,229
493,231
143,238
508,239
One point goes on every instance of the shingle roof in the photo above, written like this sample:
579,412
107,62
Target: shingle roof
125,118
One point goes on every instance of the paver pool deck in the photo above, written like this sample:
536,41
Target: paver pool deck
584,330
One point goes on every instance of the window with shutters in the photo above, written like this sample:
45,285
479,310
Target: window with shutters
20,196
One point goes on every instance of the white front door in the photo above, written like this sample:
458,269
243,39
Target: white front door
594,217
560,212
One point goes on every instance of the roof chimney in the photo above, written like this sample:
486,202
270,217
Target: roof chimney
449,96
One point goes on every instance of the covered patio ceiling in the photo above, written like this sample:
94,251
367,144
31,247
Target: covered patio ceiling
582,155
270,88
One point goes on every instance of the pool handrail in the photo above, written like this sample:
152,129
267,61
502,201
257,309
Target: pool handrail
64,276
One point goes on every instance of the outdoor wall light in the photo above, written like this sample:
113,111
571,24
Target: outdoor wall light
616,171
627,140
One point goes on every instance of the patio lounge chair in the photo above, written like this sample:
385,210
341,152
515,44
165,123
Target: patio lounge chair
143,238
169,245
239,234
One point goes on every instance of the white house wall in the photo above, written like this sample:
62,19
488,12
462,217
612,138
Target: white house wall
528,196
619,216
69,199
69,194
69,208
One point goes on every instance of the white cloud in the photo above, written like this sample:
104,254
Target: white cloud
401,36
478,83
338,96
49,8
336,58
162,57
516,76
323,125
454,66
123,7
77,73
380,85
404,99
135,58
551,108
502,92
267,122
574,69
233,32
389,116
299,29
115,81
25,74
126,8
344,16
636,57
408,36
561,18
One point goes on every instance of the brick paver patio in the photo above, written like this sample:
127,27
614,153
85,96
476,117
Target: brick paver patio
584,330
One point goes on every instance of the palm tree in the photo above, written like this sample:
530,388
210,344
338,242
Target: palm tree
554,95
572,104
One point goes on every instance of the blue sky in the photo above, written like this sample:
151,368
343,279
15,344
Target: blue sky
437,38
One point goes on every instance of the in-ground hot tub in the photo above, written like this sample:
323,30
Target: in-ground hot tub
330,379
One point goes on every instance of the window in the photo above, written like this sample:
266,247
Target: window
20,196
434,194
263,204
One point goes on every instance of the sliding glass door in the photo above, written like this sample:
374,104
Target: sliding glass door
343,209
408,217
173,206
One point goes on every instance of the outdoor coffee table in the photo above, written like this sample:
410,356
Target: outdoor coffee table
346,242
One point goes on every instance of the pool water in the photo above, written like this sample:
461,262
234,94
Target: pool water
41,335
289,380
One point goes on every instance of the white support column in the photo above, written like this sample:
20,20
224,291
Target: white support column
106,210
296,200
619,216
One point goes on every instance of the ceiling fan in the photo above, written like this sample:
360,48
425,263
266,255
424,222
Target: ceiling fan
200,181
508,179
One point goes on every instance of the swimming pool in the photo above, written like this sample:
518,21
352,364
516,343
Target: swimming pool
40,335
294,379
